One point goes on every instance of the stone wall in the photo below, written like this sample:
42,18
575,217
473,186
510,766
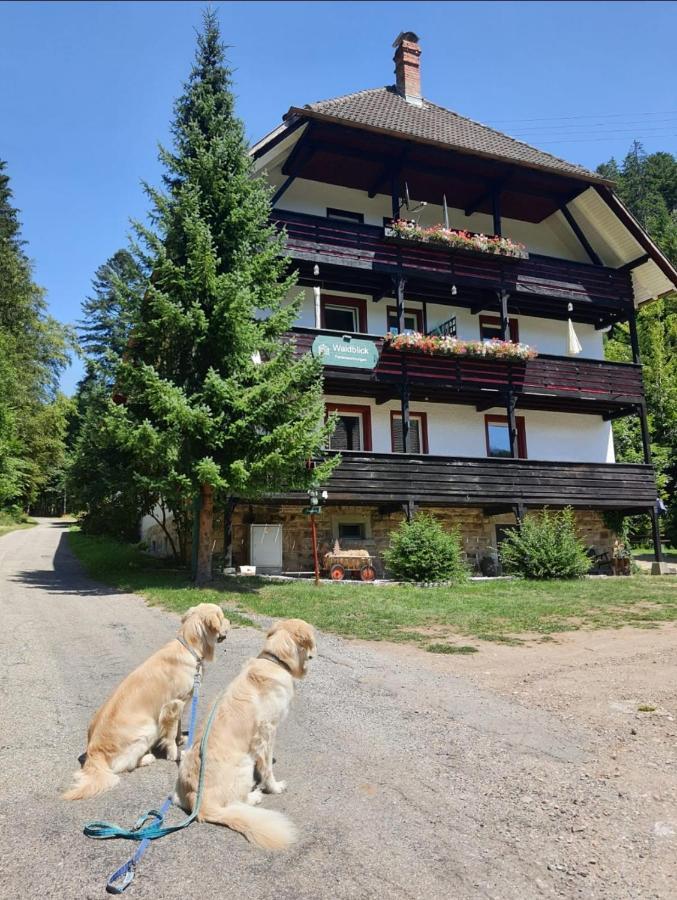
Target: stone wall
476,529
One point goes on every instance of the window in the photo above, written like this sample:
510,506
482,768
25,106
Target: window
498,437
413,320
353,428
345,215
354,528
352,531
418,433
344,314
490,329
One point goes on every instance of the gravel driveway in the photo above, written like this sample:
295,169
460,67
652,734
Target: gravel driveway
405,778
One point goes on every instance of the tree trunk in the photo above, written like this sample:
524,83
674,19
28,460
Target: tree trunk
228,510
203,572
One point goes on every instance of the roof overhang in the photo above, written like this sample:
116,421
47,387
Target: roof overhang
612,230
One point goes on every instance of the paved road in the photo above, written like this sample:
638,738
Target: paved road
405,781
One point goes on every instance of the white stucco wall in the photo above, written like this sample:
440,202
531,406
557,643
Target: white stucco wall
552,237
455,430
546,335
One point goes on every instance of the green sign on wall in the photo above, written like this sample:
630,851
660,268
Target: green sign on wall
345,351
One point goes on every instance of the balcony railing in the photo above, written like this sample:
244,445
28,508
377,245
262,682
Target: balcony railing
317,239
562,377
380,478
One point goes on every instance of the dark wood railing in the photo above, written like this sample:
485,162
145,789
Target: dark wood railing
378,478
559,376
334,242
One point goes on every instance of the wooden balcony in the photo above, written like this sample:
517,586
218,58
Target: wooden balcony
384,478
547,382
537,285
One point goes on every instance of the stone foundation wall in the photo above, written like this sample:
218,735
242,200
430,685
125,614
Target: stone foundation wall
476,529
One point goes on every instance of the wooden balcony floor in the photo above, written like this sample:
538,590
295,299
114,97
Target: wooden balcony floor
396,478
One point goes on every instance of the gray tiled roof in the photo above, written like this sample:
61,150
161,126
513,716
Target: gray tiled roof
385,108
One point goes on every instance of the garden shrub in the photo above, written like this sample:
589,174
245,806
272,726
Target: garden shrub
545,546
421,550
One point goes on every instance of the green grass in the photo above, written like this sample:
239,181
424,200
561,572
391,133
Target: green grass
496,611
451,648
9,523
669,554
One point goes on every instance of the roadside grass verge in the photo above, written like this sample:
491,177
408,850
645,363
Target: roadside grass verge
489,610
126,568
13,523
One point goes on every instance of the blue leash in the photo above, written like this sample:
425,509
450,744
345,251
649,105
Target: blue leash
151,832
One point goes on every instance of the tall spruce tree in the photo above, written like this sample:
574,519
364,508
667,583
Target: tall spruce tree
215,402
108,314
34,349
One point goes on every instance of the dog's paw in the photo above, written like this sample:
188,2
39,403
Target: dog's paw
276,787
254,797
173,752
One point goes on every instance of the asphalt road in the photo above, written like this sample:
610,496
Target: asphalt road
405,781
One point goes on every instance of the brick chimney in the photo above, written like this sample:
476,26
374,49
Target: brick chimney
408,67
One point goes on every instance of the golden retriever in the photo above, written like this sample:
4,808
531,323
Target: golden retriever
145,709
241,740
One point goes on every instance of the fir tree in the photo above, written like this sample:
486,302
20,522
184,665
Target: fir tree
216,403
108,313
34,350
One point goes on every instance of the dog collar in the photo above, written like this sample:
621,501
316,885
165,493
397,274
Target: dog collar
198,659
266,654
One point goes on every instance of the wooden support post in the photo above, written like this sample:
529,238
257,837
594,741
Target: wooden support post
496,208
400,281
399,297
520,512
405,406
510,400
395,194
634,337
512,424
287,183
409,509
585,243
656,534
503,297
646,436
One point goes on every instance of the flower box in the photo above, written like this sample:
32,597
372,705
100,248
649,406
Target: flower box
451,346
453,239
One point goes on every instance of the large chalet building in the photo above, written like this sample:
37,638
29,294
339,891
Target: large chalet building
372,189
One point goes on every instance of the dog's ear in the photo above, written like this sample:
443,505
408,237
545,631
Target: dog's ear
214,621
303,636
188,612
274,629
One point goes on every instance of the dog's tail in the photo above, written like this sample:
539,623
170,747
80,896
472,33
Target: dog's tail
266,828
95,777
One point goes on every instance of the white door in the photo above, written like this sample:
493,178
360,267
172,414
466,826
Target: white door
266,547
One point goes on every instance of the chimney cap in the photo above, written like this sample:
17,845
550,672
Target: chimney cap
406,36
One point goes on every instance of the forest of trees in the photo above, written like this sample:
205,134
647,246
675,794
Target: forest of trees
190,401
647,183
34,351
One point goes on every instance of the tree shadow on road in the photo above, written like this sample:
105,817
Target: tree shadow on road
65,576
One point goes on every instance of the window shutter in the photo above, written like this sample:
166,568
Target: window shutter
414,435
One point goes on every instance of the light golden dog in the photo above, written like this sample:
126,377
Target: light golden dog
145,710
241,740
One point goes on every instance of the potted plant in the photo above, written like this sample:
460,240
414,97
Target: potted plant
620,558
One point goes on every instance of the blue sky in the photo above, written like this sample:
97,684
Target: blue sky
86,93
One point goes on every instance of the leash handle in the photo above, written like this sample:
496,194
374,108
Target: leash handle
127,870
